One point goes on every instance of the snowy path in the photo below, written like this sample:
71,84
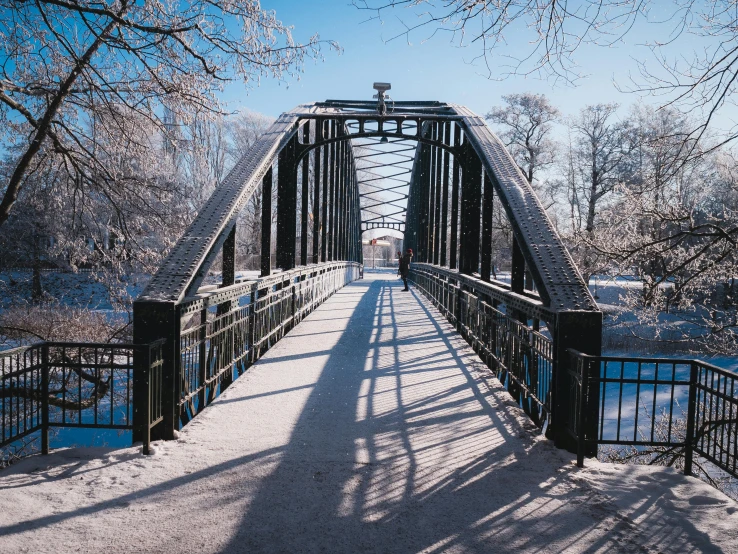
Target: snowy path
371,427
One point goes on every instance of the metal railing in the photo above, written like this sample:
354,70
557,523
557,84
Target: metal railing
68,385
640,403
519,353
225,330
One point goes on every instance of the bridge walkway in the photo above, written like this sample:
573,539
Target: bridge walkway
371,427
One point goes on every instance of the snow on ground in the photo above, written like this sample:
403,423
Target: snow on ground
371,427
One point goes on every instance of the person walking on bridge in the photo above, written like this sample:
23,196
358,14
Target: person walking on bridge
405,266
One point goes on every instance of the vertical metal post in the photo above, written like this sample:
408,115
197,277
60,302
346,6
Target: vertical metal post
487,206
471,192
266,224
45,399
454,246
424,197
253,354
689,441
316,189
326,197
437,204
202,369
341,231
586,366
444,212
305,197
229,258
331,194
340,223
432,153
580,331
153,320
337,197
517,275
145,354
286,206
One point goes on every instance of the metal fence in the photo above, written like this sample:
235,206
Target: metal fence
83,385
681,407
223,331
505,329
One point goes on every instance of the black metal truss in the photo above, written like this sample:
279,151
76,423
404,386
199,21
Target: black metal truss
460,173
474,152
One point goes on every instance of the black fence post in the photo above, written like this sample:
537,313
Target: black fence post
202,356
45,398
583,369
152,321
144,354
582,331
691,414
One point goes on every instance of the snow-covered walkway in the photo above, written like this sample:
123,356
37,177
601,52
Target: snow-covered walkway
371,427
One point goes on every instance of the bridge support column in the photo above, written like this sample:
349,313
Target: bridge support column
437,226
471,192
266,224
423,218
305,197
228,278
331,202
229,258
454,246
326,180
316,190
487,205
286,206
517,274
581,331
444,200
153,321
432,196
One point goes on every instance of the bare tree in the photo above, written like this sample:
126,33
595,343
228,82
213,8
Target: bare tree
526,122
601,150
556,29
702,79
674,225
64,60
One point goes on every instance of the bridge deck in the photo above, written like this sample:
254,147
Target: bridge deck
371,427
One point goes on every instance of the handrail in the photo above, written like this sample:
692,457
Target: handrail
74,384
654,385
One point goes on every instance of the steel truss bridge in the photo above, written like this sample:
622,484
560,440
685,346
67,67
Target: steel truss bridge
336,169
429,169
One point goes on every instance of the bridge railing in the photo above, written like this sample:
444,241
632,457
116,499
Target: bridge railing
220,332
495,322
75,385
665,410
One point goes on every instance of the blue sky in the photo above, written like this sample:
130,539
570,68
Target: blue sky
426,70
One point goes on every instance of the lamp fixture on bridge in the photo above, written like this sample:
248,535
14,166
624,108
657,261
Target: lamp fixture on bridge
381,89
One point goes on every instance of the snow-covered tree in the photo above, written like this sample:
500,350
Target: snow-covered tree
64,62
